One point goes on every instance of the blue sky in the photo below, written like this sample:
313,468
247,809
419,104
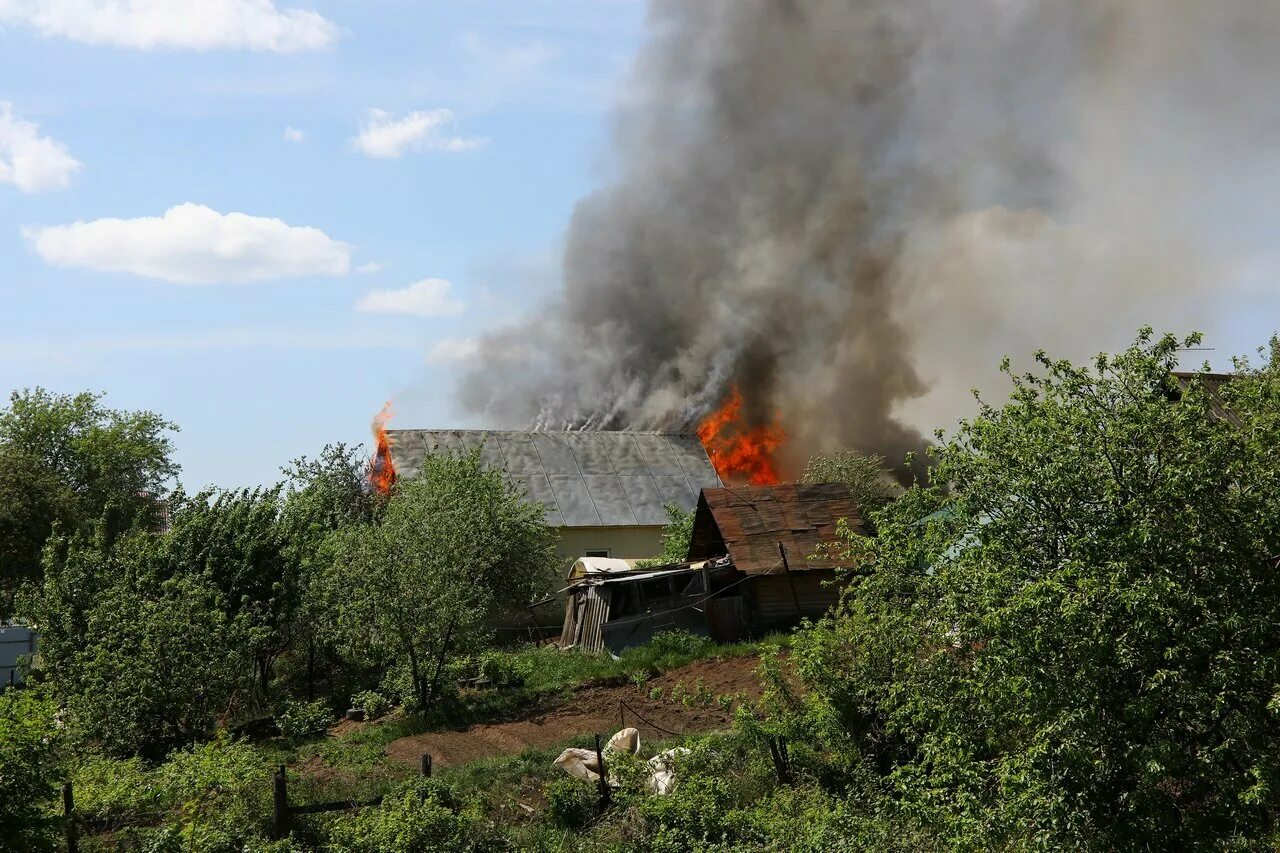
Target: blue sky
444,211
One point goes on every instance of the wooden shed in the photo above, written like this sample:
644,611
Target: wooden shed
773,536
754,565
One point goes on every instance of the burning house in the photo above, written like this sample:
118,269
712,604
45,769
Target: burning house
754,564
604,491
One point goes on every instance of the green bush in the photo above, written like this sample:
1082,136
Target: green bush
152,668
301,720
27,770
692,816
678,643
373,703
422,818
116,792
571,803
499,669
218,794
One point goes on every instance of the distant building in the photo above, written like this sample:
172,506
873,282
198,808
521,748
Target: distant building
604,491
17,642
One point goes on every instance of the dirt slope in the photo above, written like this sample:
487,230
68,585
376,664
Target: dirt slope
595,710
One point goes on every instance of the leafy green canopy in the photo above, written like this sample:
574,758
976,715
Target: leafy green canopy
28,736
676,536
454,545
141,662
70,460
1070,637
867,476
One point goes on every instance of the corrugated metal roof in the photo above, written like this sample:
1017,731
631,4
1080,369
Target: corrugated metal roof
748,522
585,479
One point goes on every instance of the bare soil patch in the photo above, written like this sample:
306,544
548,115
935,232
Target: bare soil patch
595,710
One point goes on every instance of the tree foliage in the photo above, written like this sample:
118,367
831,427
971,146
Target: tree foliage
867,476
453,546
235,541
676,536
28,737
142,661
70,460
1068,639
33,501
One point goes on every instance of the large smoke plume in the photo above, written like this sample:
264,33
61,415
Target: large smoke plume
852,210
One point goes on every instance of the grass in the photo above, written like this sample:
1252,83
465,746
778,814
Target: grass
354,766
537,677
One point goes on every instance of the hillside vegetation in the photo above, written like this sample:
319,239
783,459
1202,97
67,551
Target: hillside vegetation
1064,637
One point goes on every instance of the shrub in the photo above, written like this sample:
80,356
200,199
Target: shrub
301,720
116,791
677,643
373,703
218,795
499,669
421,818
571,803
152,668
26,770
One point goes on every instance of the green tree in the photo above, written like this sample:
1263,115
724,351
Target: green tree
235,541
323,495
33,501
141,662
453,546
155,668
676,536
69,458
1068,636
28,741
867,476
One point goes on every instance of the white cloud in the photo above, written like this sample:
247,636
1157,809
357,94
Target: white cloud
29,161
384,136
450,350
292,134
175,24
430,297
371,266
192,244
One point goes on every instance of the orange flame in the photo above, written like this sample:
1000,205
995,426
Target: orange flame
739,452
382,471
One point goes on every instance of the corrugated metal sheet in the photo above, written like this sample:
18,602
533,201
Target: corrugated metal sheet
748,523
585,479
584,616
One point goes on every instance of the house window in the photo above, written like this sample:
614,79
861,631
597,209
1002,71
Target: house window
596,552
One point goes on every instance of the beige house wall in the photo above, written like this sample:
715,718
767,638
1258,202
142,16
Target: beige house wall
622,543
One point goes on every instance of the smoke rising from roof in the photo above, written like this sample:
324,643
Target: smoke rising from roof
853,210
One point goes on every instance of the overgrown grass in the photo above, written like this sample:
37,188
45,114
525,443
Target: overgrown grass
535,677
138,804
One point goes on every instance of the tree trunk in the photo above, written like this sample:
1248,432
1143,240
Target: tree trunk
444,648
418,686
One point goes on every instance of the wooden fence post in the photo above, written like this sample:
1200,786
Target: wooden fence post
605,794
424,765
280,804
69,817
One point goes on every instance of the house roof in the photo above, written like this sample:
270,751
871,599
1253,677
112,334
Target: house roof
585,479
748,523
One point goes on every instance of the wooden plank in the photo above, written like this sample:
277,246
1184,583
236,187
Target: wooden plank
339,806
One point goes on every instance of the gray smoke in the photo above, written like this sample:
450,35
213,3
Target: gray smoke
852,210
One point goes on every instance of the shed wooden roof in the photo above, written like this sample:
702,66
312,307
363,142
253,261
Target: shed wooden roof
748,522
